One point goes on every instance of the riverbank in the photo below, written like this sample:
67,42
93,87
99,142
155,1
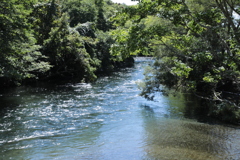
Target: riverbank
106,120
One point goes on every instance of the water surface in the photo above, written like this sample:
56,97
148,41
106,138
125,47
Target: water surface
108,120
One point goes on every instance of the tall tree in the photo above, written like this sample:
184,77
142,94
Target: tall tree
66,51
19,56
43,17
80,11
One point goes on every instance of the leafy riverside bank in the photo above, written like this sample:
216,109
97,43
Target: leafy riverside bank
57,40
107,119
195,44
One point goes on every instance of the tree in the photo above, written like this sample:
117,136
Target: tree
43,17
80,11
55,39
19,55
231,11
66,51
196,45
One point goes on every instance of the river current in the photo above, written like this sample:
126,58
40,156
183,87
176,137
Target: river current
108,120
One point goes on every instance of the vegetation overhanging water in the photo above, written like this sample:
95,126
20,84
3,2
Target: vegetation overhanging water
196,45
109,120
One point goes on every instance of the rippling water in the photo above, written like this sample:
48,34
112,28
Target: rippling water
108,120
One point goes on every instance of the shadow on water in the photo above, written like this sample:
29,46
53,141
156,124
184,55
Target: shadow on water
184,132
189,106
108,120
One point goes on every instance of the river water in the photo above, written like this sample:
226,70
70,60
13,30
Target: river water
107,120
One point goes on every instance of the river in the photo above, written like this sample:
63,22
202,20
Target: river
108,120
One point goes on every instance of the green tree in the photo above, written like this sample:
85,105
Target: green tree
66,51
19,55
43,17
80,11
196,45
55,38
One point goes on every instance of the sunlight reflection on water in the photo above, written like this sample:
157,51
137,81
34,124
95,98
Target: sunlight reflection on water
108,120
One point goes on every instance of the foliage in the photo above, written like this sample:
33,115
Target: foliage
80,11
66,52
43,17
19,55
195,43
55,39
104,42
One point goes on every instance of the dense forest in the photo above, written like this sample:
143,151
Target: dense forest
45,40
195,45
